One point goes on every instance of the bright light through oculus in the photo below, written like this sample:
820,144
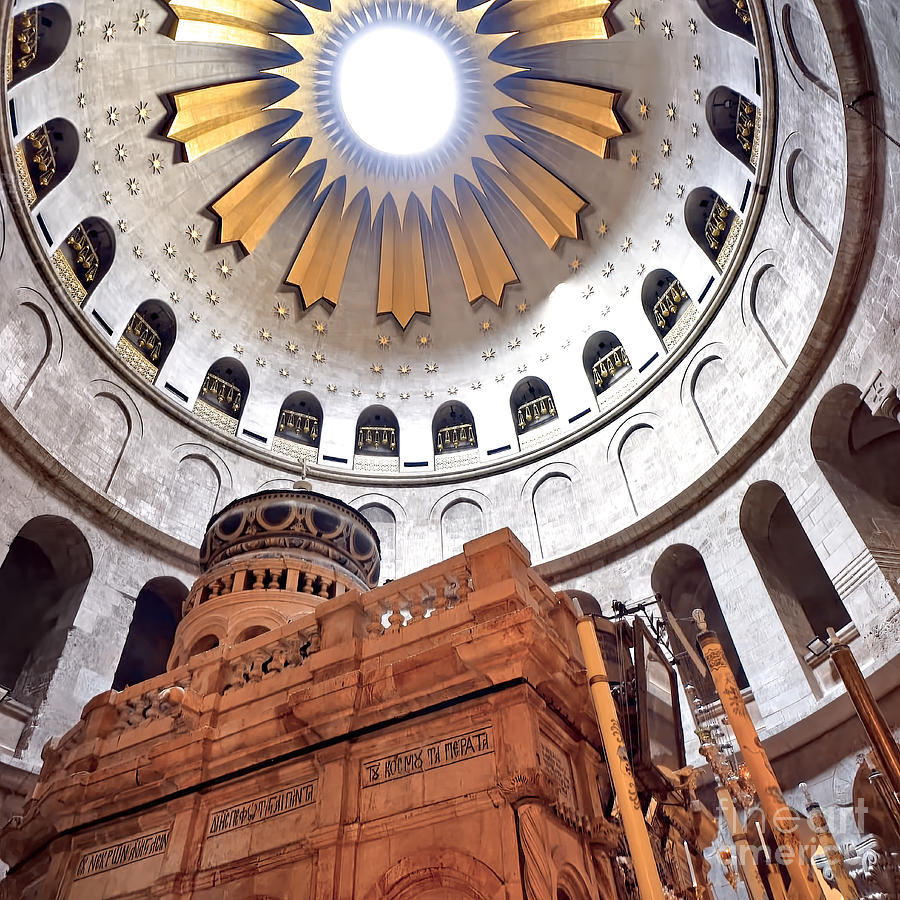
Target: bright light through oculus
398,89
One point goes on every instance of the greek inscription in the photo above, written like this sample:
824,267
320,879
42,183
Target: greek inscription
262,808
430,756
122,854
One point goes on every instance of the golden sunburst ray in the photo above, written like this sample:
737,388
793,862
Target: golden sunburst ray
359,184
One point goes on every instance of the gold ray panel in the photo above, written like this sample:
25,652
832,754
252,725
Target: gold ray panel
402,283
550,207
584,116
251,207
539,22
210,117
441,186
483,264
321,263
243,23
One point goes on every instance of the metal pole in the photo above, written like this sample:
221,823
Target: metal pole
867,709
645,870
776,811
745,858
829,846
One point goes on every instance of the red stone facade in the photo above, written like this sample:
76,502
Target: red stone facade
431,738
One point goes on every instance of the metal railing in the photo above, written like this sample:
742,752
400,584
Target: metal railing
380,437
716,222
452,437
86,255
224,391
667,305
144,336
607,366
534,411
304,425
42,154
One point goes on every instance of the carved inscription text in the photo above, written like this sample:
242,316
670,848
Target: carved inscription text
430,756
262,808
121,854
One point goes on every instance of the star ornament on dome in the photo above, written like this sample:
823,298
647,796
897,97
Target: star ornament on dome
490,141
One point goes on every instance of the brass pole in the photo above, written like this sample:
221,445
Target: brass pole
645,870
883,790
746,863
776,811
867,709
829,846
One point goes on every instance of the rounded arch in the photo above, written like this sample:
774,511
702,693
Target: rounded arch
859,455
377,432
605,360
453,428
203,644
434,873
151,635
664,301
50,563
383,514
730,15
300,419
251,632
462,520
151,331
226,388
49,153
39,36
570,884
682,581
801,591
88,252
709,220
531,404
735,123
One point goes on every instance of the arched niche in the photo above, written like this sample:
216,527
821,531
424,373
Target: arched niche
605,360
736,123
553,503
531,404
84,257
665,303
730,15
377,432
223,395
682,580
300,419
859,455
384,522
713,224
46,155
39,36
801,591
148,338
462,521
151,635
202,644
453,428
42,581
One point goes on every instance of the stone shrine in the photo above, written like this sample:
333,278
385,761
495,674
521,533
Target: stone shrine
316,736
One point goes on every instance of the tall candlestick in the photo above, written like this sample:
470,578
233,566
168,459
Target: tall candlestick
771,799
645,870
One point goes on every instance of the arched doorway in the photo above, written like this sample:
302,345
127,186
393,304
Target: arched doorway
801,591
42,581
157,612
